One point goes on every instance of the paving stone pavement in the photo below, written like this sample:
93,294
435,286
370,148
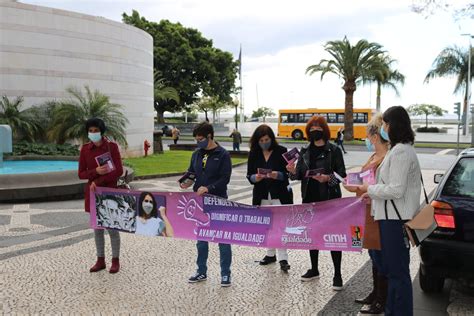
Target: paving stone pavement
46,250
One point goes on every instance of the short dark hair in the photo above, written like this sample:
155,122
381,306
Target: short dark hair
262,130
400,126
320,121
96,122
203,129
141,212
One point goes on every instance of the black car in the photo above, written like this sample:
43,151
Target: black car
449,251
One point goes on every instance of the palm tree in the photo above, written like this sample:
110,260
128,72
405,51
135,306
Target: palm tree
24,125
69,116
454,62
353,64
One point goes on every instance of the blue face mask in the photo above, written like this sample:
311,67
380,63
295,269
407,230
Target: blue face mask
384,134
203,143
370,146
95,137
265,146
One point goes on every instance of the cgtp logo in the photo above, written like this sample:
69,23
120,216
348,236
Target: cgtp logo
192,211
357,235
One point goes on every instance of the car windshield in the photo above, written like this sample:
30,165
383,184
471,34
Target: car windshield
461,180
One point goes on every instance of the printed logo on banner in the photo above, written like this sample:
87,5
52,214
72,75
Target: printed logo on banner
357,236
192,211
296,230
335,240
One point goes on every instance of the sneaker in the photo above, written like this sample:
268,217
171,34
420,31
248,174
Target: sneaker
267,260
284,266
310,275
225,281
197,277
337,283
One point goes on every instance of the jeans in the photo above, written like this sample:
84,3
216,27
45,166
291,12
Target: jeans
396,265
236,146
377,261
203,252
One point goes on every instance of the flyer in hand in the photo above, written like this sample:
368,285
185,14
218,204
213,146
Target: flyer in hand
106,159
291,155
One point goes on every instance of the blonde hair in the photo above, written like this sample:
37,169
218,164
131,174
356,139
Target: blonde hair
373,127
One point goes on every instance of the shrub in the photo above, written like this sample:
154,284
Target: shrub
25,148
427,130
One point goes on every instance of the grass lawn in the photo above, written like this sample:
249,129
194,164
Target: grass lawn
168,162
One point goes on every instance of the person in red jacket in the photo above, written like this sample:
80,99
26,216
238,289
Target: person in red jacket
100,175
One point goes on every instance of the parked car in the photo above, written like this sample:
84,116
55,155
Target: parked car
165,128
449,251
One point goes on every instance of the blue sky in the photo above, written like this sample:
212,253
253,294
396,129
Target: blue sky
281,38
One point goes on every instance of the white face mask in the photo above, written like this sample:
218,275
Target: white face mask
94,137
147,207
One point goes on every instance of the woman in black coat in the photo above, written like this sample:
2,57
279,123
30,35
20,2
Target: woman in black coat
271,186
320,154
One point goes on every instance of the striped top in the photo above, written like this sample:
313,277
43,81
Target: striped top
398,179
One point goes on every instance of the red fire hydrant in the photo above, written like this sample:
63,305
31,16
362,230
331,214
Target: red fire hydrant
146,146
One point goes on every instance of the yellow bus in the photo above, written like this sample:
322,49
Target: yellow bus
292,123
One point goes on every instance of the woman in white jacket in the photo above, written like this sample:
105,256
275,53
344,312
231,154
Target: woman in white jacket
395,200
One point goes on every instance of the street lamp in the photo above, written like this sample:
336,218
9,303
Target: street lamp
468,89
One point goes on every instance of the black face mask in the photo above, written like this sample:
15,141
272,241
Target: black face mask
316,135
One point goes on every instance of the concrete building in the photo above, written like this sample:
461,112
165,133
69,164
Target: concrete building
44,50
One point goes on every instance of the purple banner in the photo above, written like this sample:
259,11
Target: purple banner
330,225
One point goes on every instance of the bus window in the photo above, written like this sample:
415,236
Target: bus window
360,117
332,118
284,118
292,118
340,118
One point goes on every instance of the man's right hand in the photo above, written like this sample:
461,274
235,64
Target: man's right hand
186,184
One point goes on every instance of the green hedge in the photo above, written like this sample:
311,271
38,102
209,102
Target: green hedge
427,129
25,148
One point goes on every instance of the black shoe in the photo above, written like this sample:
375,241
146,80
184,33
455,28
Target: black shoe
337,283
374,309
225,281
366,300
267,260
310,275
284,266
197,277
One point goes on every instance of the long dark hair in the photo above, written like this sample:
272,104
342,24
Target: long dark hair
400,126
141,212
262,130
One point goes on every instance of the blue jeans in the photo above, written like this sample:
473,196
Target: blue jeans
377,261
236,146
203,252
396,265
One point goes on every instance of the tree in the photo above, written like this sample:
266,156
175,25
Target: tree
426,110
188,62
163,95
262,112
429,7
69,116
389,78
353,64
454,62
210,104
24,124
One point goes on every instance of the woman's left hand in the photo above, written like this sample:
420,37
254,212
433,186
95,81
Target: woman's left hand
321,178
202,190
273,175
365,197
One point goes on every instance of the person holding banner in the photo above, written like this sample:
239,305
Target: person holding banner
149,223
377,298
101,165
395,200
212,167
266,171
315,168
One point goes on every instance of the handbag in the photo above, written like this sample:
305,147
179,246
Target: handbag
372,232
422,225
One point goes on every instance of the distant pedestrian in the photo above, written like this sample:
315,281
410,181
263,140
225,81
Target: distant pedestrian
236,139
100,176
340,139
175,133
